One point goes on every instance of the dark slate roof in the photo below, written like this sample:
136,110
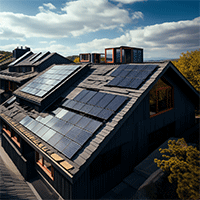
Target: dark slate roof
96,78
16,76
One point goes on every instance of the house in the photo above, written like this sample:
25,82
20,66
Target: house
123,54
26,66
90,57
83,128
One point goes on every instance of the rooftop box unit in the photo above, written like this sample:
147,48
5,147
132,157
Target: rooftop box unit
123,54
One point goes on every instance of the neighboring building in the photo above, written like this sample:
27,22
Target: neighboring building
123,54
24,68
90,57
83,128
18,52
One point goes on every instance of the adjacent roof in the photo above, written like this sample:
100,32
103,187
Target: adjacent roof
80,88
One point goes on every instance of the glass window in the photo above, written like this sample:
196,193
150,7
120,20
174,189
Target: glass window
45,165
109,55
161,97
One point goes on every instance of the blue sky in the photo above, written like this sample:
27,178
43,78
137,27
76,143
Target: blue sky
164,29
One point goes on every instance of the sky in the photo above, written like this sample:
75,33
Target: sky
164,29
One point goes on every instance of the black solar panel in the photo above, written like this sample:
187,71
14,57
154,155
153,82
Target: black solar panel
71,149
93,126
73,132
116,103
87,97
81,95
64,130
62,144
83,122
124,73
95,99
54,139
105,100
82,137
105,114
49,80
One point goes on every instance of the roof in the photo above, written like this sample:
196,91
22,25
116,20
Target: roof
94,79
16,76
123,47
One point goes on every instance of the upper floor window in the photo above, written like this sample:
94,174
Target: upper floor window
45,165
161,97
109,56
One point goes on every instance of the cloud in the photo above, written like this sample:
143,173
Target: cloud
167,39
49,5
78,17
137,15
128,1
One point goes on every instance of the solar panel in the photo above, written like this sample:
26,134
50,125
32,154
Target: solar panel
33,57
47,81
42,131
54,139
105,100
11,100
83,122
73,132
26,120
62,143
48,134
75,119
95,99
105,114
124,73
93,126
71,149
67,116
58,125
37,128
51,122
81,95
39,57
87,97
64,130
116,103
82,137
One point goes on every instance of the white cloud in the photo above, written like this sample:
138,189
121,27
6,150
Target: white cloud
79,17
128,1
49,5
137,15
52,42
167,39
43,42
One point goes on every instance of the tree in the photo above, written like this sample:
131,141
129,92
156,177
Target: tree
77,59
189,65
183,167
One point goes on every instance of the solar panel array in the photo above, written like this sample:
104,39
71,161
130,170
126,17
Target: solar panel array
96,104
49,80
37,58
67,131
131,76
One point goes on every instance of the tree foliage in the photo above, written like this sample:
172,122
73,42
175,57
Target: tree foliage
189,65
77,59
183,168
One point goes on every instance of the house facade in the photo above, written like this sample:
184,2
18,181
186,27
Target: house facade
88,131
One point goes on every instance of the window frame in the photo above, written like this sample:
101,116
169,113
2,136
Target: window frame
50,173
167,98
113,56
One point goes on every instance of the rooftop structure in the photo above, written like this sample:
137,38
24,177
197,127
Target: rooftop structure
85,127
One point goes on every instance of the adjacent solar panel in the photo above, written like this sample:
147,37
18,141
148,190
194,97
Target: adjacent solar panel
97,104
67,131
131,76
40,56
33,57
49,80
10,100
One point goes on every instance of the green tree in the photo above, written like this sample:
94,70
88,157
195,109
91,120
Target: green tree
189,65
183,167
77,59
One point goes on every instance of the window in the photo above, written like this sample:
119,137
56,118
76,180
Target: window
12,86
11,133
109,55
161,97
45,165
